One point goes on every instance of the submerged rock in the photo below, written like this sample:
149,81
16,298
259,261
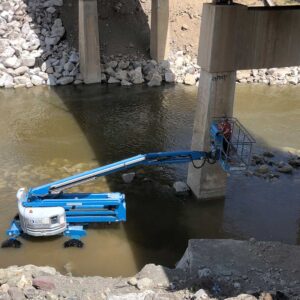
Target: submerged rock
155,80
128,177
181,187
294,162
263,169
286,168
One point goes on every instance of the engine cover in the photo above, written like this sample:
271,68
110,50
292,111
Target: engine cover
40,221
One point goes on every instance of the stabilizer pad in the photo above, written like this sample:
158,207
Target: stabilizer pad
73,243
11,243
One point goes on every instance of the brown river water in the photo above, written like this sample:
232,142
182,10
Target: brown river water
47,134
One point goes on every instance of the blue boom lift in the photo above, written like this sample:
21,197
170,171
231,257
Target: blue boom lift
47,211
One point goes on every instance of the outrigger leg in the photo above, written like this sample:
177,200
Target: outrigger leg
13,232
75,232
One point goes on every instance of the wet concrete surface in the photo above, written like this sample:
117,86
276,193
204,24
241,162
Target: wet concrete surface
47,134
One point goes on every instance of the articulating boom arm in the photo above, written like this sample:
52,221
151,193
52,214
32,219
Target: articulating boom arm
142,159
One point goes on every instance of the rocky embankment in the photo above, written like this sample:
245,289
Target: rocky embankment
210,269
34,51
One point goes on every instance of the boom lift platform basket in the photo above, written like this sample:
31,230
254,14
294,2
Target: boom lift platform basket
47,210
235,149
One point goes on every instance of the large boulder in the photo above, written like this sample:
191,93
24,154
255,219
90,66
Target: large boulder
37,80
28,60
65,80
6,80
136,76
12,62
170,77
190,79
155,80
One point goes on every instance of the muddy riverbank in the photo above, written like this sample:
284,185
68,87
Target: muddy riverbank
209,269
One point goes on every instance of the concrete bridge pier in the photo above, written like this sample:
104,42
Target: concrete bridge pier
159,36
215,99
89,41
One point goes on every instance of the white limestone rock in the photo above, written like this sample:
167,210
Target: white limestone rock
155,80
45,65
29,85
181,187
164,65
6,52
113,64
136,76
201,295
21,70
243,74
28,60
113,80
21,80
78,81
26,29
6,80
65,80
144,283
121,75
170,77
128,177
132,281
190,79
51,80
51,10
24,282
69,66
74,58
293,80
51,41
12,62
43,75
57,29
103,77
110,71
125,83
58,69
123,65
50,3
37,80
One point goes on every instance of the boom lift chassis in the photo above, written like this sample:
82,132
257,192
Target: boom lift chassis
46,210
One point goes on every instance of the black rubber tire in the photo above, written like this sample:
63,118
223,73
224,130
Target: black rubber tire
73,243
11,243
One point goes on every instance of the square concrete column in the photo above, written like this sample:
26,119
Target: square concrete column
159,36
89,41
215,99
